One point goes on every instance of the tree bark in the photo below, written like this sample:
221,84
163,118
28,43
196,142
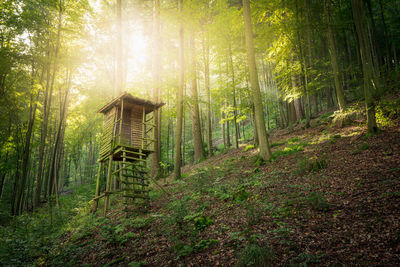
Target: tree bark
177,166
265,151
206,59
334,57
196,127
156,156
370,79
234,96
25,157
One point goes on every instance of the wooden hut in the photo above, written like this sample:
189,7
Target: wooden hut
127,140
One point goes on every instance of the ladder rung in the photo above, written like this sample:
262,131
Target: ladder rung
133,152
133,183
136,196
128,175
128,157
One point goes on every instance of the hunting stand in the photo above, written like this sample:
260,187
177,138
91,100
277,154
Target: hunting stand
127,140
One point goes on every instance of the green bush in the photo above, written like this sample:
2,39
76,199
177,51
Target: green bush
201,222
254,255
317,201
254,213
240,194
313,165
364,146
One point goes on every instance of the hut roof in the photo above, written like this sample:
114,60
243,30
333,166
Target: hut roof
149,105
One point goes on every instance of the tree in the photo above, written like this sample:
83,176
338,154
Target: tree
333,56
265,151
371,82
156,156
179,117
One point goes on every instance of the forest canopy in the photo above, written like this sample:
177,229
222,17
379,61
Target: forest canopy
231,73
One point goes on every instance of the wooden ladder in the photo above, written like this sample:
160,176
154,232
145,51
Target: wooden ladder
133,176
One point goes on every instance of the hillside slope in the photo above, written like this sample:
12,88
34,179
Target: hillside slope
329,197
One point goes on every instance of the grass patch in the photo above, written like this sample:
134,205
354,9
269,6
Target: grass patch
255,255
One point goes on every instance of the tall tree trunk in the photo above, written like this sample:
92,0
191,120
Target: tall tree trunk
370,80
334,57
304,72
234,96
206,59
196,127
156,156
177,166
46,110
228,131
25,157
265,151
119,83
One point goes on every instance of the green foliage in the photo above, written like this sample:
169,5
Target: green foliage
333,138
277,144
240,194
183,250
201,222
364,146
387,111
31,236
310,164
248,147
137,223
291,149
205,244
317,201
304,259
255,255
137,264
254,213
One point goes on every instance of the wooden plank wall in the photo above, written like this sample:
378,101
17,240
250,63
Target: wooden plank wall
136,126
107,132
126,128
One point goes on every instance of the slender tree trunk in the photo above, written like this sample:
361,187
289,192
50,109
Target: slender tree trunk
370,80
206,59
196,127
304,72
177,166
156,156
334,57
228,131
25,158
234,96
119,79
265,151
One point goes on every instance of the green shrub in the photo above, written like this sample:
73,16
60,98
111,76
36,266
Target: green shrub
201,222
205,244
303,259
182,250
277,144
137,264
240,194
317,201
254,213
254,255
313,165
248,147
364,146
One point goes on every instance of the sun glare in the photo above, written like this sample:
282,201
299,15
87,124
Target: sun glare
135,45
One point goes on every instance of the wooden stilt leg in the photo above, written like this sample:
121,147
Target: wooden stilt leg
96,201
108,186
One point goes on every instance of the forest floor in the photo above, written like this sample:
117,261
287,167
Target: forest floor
329,196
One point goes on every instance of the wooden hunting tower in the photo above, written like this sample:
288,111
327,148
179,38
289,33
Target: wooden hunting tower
127,140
